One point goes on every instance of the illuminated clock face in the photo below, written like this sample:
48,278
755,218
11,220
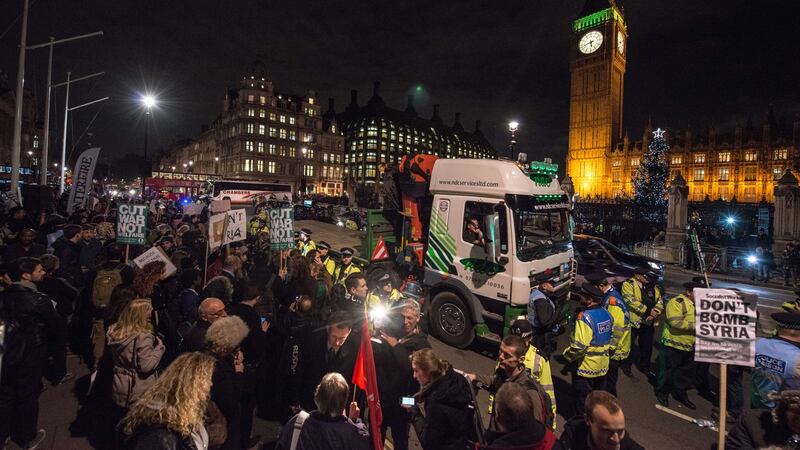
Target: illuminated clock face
590,42
620,42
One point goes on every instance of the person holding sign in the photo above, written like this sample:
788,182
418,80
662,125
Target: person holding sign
306,244
590,345
676,359
777,360
621,334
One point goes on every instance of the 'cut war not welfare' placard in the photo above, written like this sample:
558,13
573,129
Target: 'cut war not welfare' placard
131,224
281,228
725,326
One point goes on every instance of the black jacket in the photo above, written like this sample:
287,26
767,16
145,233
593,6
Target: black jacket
61,292
448,422
16,250
254,345
36,315
575,435
69,257
314,364
226,392
195,339
322,432
532,436
157,438
755,429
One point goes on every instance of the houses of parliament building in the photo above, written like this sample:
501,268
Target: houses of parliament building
741,164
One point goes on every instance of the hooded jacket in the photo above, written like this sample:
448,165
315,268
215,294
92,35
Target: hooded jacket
575,436
135,361
448,421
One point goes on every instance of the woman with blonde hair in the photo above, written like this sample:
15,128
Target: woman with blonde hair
135,352
169,415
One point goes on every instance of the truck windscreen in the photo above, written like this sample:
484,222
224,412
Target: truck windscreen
540,225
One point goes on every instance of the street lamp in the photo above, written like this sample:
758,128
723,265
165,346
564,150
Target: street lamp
149,102
513,126
216,163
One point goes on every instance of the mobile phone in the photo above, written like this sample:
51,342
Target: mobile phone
407,401
264,319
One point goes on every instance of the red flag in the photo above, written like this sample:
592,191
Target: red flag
380,252
365,377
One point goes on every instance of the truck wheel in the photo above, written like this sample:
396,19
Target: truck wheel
449,320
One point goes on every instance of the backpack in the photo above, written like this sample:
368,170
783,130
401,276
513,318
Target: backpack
13,338
104,284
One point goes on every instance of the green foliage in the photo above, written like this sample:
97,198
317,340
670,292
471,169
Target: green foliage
650,180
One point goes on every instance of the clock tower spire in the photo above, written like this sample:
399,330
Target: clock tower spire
597,70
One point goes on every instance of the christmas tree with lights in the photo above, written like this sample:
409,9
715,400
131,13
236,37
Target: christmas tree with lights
650,180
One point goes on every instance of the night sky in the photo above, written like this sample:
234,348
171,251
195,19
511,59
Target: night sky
689,62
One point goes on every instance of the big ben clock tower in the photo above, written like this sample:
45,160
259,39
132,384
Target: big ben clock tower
597,69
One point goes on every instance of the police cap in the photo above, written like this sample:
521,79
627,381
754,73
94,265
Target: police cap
384,278
323,244
597,279
641,271
347,251
521,327
787,320
305,231
701,281
691,285
591,291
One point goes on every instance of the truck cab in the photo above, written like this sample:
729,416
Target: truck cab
497,228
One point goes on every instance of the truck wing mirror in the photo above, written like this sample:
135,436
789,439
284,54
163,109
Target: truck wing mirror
494,233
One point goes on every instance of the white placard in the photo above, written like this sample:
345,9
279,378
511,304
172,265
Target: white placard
156,254
221,233
725,326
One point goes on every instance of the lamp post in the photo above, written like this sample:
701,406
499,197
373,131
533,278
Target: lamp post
216,162
16,148
149,102
513,126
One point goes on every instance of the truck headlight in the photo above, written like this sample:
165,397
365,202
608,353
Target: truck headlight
655,266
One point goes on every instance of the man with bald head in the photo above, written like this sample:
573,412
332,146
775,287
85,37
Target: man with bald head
232,270
208,312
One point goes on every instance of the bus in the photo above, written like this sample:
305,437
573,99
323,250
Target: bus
241,192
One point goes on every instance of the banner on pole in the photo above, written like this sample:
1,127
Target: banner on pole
281,228
156,254
228,227
82,179
131,224
725,327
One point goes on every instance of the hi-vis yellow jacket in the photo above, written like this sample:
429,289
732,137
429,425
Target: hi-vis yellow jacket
679,324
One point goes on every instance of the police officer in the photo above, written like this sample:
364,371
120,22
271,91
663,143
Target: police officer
347,266
777,360
384,293
633,293
330,265
792,306
590,345
621,332
543,317
306,244
676,358
653,301
537,364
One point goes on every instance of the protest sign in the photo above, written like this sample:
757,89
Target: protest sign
193,209
281,228
156,254
82,176
131,224
53,237
227,227
218,206
725,326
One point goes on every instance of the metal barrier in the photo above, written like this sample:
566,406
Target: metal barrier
728,260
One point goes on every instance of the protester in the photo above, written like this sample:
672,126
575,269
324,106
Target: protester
600,427
768,428
68,250
135,352
326,427
24,247
223,339
209,311
444,412
188,300
169,415
517,427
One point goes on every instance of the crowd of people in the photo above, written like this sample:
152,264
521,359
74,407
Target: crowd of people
187,358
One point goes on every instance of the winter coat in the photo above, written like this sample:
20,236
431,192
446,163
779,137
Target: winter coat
321,432
158,437
532,436
226,392
69,256
135,361
35,312
448,421
755,429
575,436
60,291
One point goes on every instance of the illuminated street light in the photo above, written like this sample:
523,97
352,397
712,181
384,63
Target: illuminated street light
513,126
149,101
185,165
191,163
730,220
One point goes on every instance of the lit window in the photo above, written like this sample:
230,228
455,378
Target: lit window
251,98
273,132
634,162
35,141
292,135
251,112
271,167
282,133
777,172
751,156
724,157
283,119
311,100
251,128
724,173
260,147
262,129
310,153
272,149
260,165
273,117
699,158
262,114
616,163
262,99
291,120
750,173
291,152
781,153
676,159
699,174
308,170
248,165
248,146
333,128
